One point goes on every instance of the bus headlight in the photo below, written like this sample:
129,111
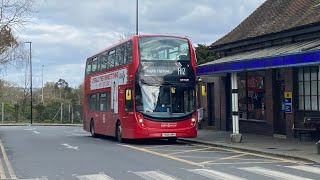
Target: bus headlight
140,120
193,121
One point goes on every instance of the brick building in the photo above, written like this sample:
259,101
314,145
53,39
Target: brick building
275,52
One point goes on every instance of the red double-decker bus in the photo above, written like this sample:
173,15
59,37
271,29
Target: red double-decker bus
142,87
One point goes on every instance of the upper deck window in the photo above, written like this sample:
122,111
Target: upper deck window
164,48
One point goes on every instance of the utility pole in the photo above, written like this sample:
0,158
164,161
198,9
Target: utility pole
61,112
30,80
72,116
42,86
69,118
2,111
137,17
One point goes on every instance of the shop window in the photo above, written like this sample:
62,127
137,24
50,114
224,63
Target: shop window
309,92
251,97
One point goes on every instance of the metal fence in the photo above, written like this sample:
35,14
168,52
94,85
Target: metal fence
57,113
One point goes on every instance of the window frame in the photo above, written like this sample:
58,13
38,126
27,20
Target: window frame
245,95
306,92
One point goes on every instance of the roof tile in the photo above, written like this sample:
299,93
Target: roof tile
274,16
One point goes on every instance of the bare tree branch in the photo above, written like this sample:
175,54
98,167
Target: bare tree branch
14,14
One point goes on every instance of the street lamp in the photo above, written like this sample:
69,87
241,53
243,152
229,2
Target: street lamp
30,81
42,85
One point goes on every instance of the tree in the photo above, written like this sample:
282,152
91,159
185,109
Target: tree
63,87
14,14
204,55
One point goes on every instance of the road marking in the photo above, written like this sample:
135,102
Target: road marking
262,162
43,178
2,172
36,132
309,169
159,154
256,155
273,174
30,129
5,157
193,150
155,175
212,174
224,158
197,157
70,147
95,177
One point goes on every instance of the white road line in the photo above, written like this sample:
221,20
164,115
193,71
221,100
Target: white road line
36,179
95,177
273,174
30,129
2,172
36,132
5,157
155,175
70,147
309,169
212,174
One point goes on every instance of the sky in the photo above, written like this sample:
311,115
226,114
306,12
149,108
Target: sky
65,32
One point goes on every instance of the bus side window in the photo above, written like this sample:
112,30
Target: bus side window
111,58
128,102
103,61
88,68
128,52
102,102
92,102
108,101
119,55
94,64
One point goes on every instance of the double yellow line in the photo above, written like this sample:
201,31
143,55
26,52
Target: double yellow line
7,163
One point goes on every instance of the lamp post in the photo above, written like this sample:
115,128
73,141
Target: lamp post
42,86
30,80
137,18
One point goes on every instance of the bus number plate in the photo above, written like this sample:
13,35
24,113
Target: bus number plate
169,134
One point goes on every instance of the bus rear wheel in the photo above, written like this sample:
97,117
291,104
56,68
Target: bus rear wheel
93,133
119,132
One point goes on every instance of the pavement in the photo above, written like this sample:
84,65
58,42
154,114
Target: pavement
292,148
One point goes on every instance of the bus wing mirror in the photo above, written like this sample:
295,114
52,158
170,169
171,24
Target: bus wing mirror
203,90
128,94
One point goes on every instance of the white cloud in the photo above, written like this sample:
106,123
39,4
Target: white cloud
65,33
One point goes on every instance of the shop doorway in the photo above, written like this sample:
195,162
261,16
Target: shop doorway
210,93
279,123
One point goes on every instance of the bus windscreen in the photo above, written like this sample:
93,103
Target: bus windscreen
164,48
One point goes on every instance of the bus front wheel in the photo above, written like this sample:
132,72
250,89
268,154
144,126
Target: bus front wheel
93,134
119,132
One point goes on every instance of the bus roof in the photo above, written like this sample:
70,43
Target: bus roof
132,37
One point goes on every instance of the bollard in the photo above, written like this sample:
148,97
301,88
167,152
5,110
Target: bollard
318,146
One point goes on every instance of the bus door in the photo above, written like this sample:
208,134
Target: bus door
126,110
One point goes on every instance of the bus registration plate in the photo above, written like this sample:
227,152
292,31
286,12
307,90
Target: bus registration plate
169,134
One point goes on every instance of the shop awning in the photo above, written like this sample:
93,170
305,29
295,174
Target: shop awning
297,54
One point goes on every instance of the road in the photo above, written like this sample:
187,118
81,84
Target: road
50,152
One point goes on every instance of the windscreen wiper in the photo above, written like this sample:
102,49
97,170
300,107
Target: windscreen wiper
147,83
